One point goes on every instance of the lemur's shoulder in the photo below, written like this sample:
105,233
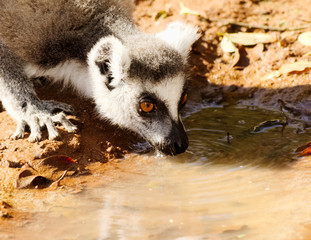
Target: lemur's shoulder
46,32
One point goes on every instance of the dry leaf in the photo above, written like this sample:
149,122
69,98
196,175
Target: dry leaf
305,38
268,125
185,10
304,150
227,45
287,68
47,171
307,54
249,39
161,15
53,167
26,179
300,66
271,75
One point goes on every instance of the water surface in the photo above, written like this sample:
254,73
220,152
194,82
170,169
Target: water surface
231,184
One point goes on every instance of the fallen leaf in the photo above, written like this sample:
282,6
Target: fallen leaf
5,214
300,66
26,179
301,148
25,173
227,45
304,150
161,15
12,164
288,68
267,125
53,167
305,38
185,10
307,54
4,204
47,171
271,75
250,39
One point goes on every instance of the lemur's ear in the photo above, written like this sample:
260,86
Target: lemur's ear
180,36
110,60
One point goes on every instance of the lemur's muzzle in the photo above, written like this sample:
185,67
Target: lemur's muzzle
176,142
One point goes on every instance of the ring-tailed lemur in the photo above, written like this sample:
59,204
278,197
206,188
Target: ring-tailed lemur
137,80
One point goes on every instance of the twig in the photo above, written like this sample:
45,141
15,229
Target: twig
57,182
304,20
62,176
264,27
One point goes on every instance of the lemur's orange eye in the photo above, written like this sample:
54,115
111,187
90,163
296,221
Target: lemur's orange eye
146,107
184,99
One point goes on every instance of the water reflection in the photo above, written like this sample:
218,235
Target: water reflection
245,189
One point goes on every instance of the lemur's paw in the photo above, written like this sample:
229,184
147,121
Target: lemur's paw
61,118
43,115
19,133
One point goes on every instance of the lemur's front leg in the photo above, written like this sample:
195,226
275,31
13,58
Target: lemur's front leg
21,102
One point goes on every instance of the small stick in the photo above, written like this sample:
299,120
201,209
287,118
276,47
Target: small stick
305,20
61,177
57,182
264,27
228,137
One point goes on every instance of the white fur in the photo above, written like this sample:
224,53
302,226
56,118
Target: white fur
180,36
119,60
71,72
109,102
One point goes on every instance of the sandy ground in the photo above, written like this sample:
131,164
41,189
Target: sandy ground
217,78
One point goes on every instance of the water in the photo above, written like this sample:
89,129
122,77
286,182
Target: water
246,188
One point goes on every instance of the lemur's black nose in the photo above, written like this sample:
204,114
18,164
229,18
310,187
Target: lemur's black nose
180,148
176,142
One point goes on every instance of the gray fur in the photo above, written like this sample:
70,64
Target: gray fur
154,64
94,46
46,32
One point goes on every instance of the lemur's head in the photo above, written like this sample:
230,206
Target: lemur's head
140,84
